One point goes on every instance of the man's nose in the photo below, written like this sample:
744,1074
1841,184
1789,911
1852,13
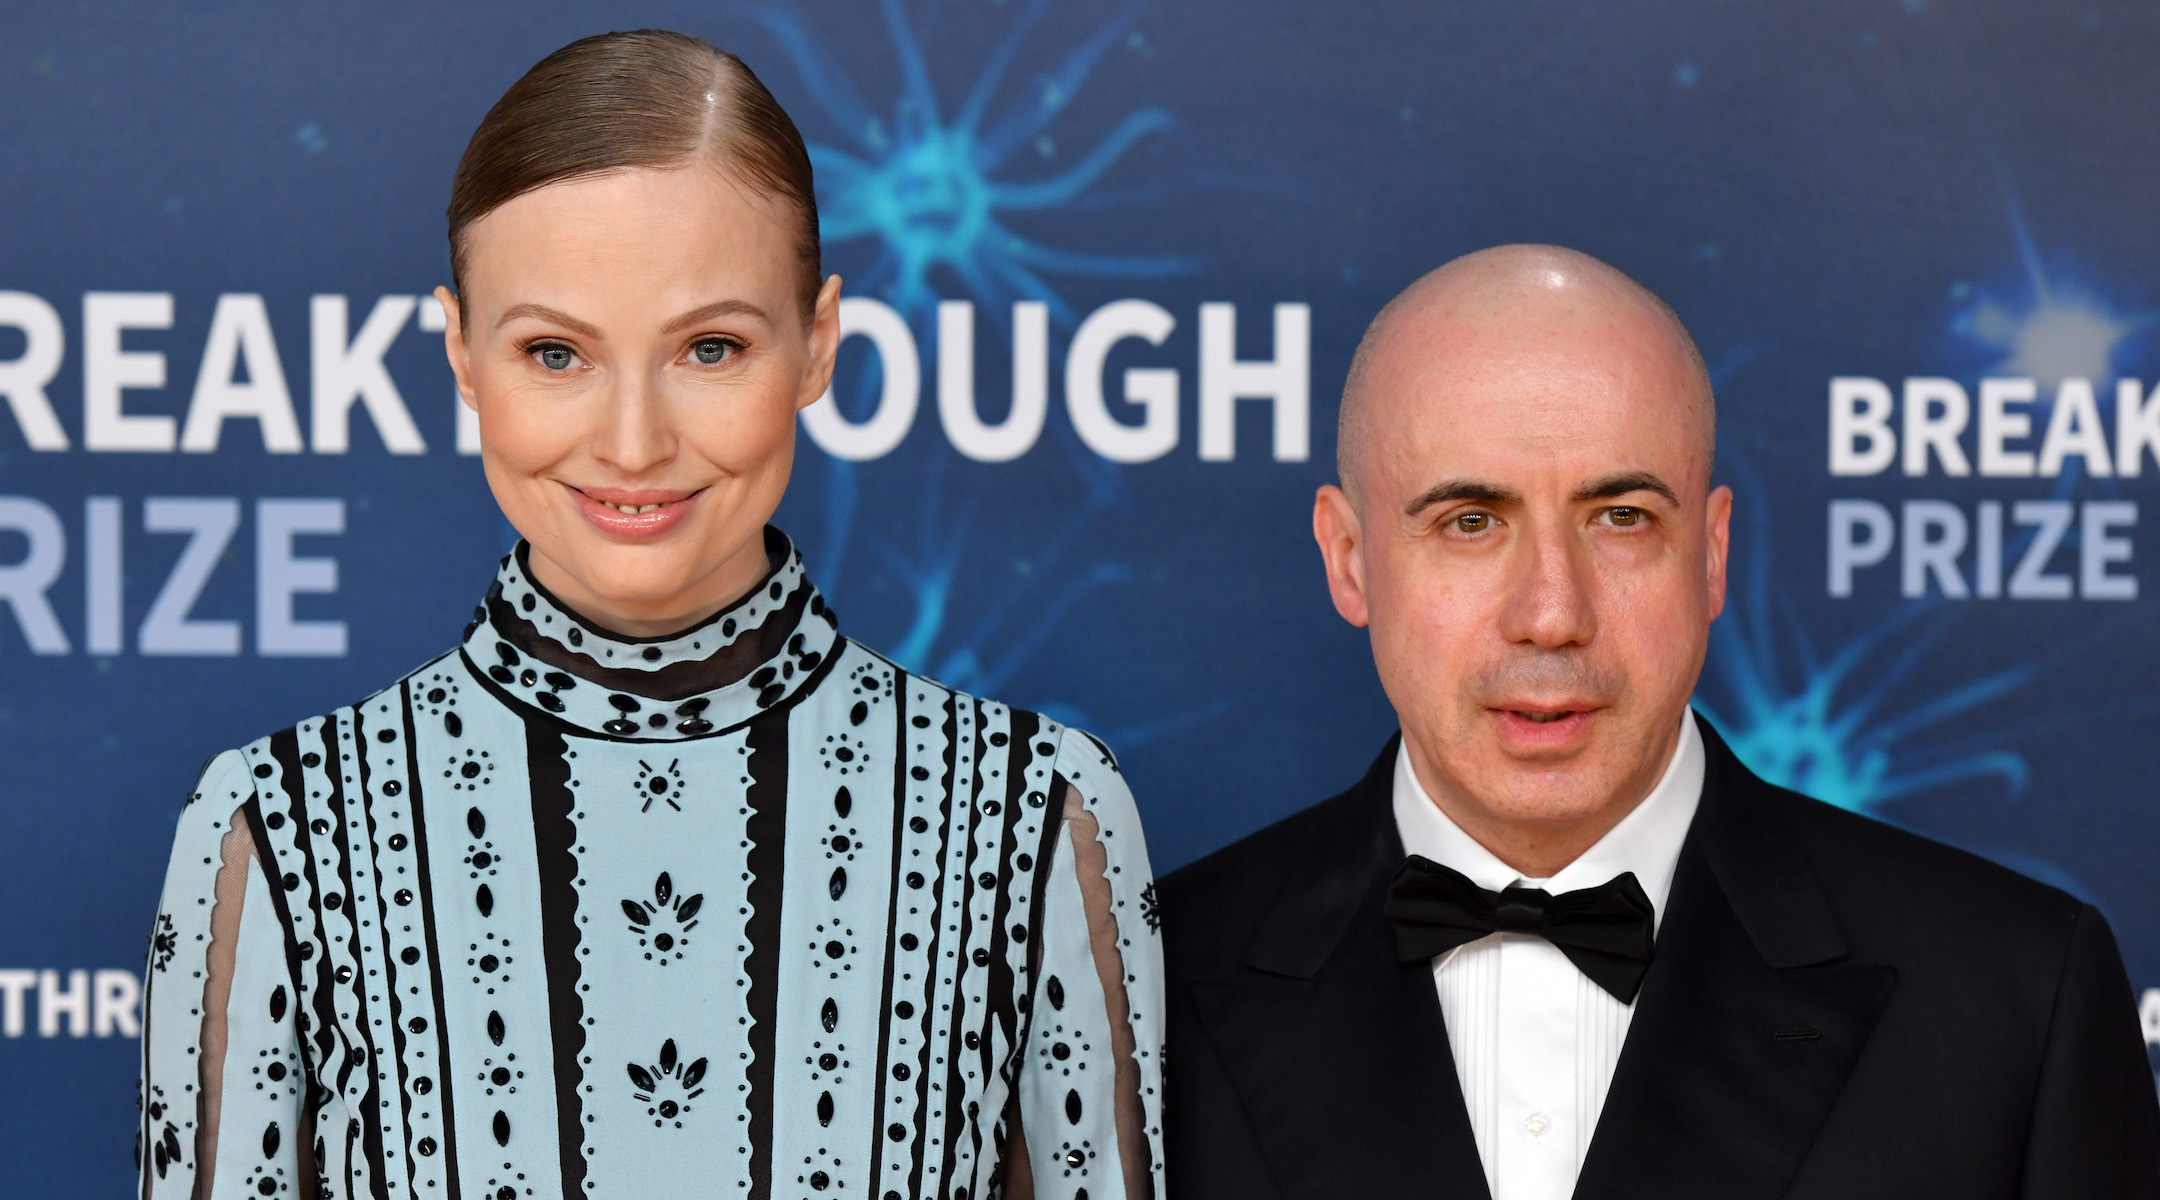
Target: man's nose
635,434
1549,602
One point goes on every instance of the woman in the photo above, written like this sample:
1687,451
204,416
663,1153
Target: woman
657,885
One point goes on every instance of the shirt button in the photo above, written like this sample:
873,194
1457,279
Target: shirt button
1536,1124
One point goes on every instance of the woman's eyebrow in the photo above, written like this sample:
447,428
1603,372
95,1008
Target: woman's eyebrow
721,308
556,316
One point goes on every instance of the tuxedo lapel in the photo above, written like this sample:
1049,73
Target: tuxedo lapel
1749,1021
1338,1052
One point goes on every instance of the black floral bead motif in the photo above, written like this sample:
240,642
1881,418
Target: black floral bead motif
664,784
480,854
662,924
1150,911
658,1085
470,771
164,942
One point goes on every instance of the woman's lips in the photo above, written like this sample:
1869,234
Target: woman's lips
633,514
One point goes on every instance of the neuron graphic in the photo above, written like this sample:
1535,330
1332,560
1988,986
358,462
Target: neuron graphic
2059,329
932,191
1816,722
1834,724
932,195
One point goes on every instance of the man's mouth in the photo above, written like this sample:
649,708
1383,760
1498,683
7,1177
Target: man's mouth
1543,718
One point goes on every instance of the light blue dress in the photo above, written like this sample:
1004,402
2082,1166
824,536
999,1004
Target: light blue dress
748,911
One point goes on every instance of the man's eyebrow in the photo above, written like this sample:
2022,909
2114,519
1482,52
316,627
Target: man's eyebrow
1461,489
1611,486
721,308
544,313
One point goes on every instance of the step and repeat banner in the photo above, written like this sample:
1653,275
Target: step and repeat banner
1107,263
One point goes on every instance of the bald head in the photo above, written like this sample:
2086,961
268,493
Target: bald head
1528,531
1524,308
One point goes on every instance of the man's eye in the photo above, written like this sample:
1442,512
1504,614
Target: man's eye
555,357
710,351
1624,517
1475,522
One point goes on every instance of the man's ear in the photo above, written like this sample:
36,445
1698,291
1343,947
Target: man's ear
824,344
1336,528
454,345
1717,537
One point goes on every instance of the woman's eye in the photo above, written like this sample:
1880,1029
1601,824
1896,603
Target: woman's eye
555,358
710,351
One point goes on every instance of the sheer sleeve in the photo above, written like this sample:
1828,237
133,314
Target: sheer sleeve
1089,1092
223,1084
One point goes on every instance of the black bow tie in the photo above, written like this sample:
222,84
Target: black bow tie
1606,931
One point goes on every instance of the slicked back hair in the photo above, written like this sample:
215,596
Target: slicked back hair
646,98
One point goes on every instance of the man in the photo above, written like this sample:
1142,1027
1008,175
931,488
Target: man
1559,941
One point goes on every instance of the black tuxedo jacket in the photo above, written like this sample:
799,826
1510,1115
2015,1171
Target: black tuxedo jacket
1836,1009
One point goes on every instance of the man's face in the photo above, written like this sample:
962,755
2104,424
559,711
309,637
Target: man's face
1535,549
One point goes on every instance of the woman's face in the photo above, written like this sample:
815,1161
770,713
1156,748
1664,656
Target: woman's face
635,346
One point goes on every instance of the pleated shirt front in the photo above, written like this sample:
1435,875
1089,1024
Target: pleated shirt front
747,911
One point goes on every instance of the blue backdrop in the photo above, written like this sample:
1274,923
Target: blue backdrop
1917,241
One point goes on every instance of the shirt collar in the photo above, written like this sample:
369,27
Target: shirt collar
1646,841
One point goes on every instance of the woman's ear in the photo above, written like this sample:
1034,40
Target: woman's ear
824,344
454,344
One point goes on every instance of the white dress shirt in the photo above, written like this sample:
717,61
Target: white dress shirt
1535,1042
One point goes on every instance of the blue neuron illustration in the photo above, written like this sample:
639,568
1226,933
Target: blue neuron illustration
935,193
1821,722
1841,724
1850,725
2059,328
929,192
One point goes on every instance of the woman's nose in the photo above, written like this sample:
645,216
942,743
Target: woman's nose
634,434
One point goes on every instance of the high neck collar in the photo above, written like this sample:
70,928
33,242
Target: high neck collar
724,670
